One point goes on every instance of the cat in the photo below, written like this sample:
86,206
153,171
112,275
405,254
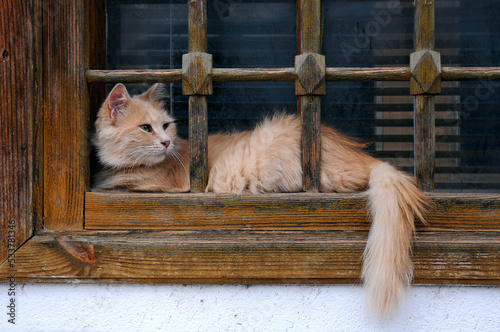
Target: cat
137,143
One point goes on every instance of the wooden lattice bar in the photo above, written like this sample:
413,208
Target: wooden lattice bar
425,82
197,83
309,86
288,74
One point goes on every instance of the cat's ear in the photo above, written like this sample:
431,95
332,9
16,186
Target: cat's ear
118,100
155,93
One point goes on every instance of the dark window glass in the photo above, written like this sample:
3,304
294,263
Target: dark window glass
250,34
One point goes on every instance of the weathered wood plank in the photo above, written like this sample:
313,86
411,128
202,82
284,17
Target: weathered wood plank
244,257
298,211
16,104
66,116
224,212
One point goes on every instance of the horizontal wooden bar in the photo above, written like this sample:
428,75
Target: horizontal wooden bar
368,74
288,74
297,211
243,257
253,74
470,74
134,76
175,75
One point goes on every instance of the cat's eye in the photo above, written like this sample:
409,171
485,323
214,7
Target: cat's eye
146,128
165,126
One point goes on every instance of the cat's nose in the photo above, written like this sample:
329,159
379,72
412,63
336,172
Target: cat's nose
166,143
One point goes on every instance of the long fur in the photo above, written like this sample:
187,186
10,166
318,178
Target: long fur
265,159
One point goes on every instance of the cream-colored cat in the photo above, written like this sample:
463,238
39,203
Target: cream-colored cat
137,143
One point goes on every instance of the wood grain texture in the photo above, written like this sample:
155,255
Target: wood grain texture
310,112
288,74
134,76
16,104
310,70
424,68
253,74
35,130
197,74
297,211
424,31
197,25
66,114
309,40
425,141
471,74
225,212
368,74
309,26
426,71
198,143
246,257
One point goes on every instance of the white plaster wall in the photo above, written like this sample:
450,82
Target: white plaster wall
126,307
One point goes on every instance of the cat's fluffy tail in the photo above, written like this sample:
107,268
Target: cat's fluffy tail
394,202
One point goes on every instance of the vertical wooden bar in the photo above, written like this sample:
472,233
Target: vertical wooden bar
424,141
16,101
424,34
198,161
197,25
309,105
198,152
424,104
66,114
310,26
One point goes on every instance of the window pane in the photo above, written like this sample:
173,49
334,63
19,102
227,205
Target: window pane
251,34
468,113
371,34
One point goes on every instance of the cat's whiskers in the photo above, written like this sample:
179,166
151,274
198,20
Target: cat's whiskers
178,157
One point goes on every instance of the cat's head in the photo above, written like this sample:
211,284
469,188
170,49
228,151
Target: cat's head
134,131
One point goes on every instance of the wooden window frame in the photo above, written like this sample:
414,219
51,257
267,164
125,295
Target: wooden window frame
65,233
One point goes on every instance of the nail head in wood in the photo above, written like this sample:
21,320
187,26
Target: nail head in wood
197,74
425,67
311,72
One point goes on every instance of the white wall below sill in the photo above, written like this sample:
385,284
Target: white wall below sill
132,307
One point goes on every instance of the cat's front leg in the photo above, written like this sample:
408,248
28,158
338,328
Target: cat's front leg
223,180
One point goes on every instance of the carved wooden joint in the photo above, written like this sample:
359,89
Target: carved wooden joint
197,73
310,69
425,67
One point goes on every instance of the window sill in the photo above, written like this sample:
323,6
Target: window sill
460,246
